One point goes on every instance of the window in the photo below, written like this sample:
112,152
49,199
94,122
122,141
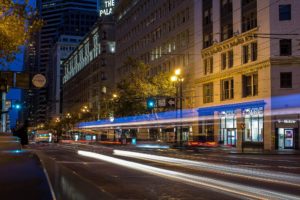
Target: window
227,89
286,80
223,61
207,16
250,85
250,52
285,47
208,93
227,59
230,58
208,65
254,123
285,12
245,54
253,51
249,21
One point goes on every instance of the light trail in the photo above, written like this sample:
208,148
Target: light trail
183,120
261,175
235,189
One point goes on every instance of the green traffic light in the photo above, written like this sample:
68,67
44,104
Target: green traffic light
150,103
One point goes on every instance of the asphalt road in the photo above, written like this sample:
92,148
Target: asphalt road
196,176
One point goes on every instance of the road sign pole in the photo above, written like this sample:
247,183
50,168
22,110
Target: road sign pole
3,113
180,132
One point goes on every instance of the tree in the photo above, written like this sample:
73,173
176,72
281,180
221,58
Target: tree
138,86
17,23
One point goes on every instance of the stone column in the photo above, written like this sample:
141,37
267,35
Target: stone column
216,127
239,129
269,131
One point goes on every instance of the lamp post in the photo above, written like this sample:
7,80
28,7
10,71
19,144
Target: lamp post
178,79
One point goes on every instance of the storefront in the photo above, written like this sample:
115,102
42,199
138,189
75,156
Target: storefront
287,134
225,122
228,128
253,124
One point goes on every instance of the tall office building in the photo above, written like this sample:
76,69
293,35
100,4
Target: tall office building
61,17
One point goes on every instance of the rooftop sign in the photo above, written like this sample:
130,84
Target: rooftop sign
107,7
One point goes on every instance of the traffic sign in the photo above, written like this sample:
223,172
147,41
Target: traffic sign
161,103
171,102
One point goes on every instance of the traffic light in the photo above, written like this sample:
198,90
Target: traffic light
151,103
17,106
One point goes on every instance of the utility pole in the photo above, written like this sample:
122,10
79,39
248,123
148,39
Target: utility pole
180,107
3,89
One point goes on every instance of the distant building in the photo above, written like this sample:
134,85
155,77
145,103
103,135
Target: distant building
88,72
65,45
61,18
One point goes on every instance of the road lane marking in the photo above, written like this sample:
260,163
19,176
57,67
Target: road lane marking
257,174
236,189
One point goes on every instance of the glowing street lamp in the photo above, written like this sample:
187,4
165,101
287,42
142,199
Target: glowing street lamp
178,79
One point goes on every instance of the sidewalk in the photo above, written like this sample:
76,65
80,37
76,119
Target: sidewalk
21,173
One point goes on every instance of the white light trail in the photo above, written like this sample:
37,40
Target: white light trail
256,174
236,189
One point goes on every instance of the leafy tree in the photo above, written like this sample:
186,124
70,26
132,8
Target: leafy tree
17,23
138,86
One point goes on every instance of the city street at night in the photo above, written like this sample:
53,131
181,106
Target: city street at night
75,175
150,99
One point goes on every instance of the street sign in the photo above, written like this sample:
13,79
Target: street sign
161,103
9,77
22,80
170,102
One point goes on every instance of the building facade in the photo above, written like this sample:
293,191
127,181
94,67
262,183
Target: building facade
88,72
65,45
246,80
161,34
60,18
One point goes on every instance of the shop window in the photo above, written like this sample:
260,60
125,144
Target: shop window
206,131
227,89
208,65
253,119
208,93
285,12
228,127
285,47
286,80
250,85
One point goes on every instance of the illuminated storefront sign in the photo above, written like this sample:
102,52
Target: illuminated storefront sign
107,7
287,121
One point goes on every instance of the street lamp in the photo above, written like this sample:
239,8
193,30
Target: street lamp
178,80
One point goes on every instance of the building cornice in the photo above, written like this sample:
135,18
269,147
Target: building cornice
285,60
232,42
245,69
